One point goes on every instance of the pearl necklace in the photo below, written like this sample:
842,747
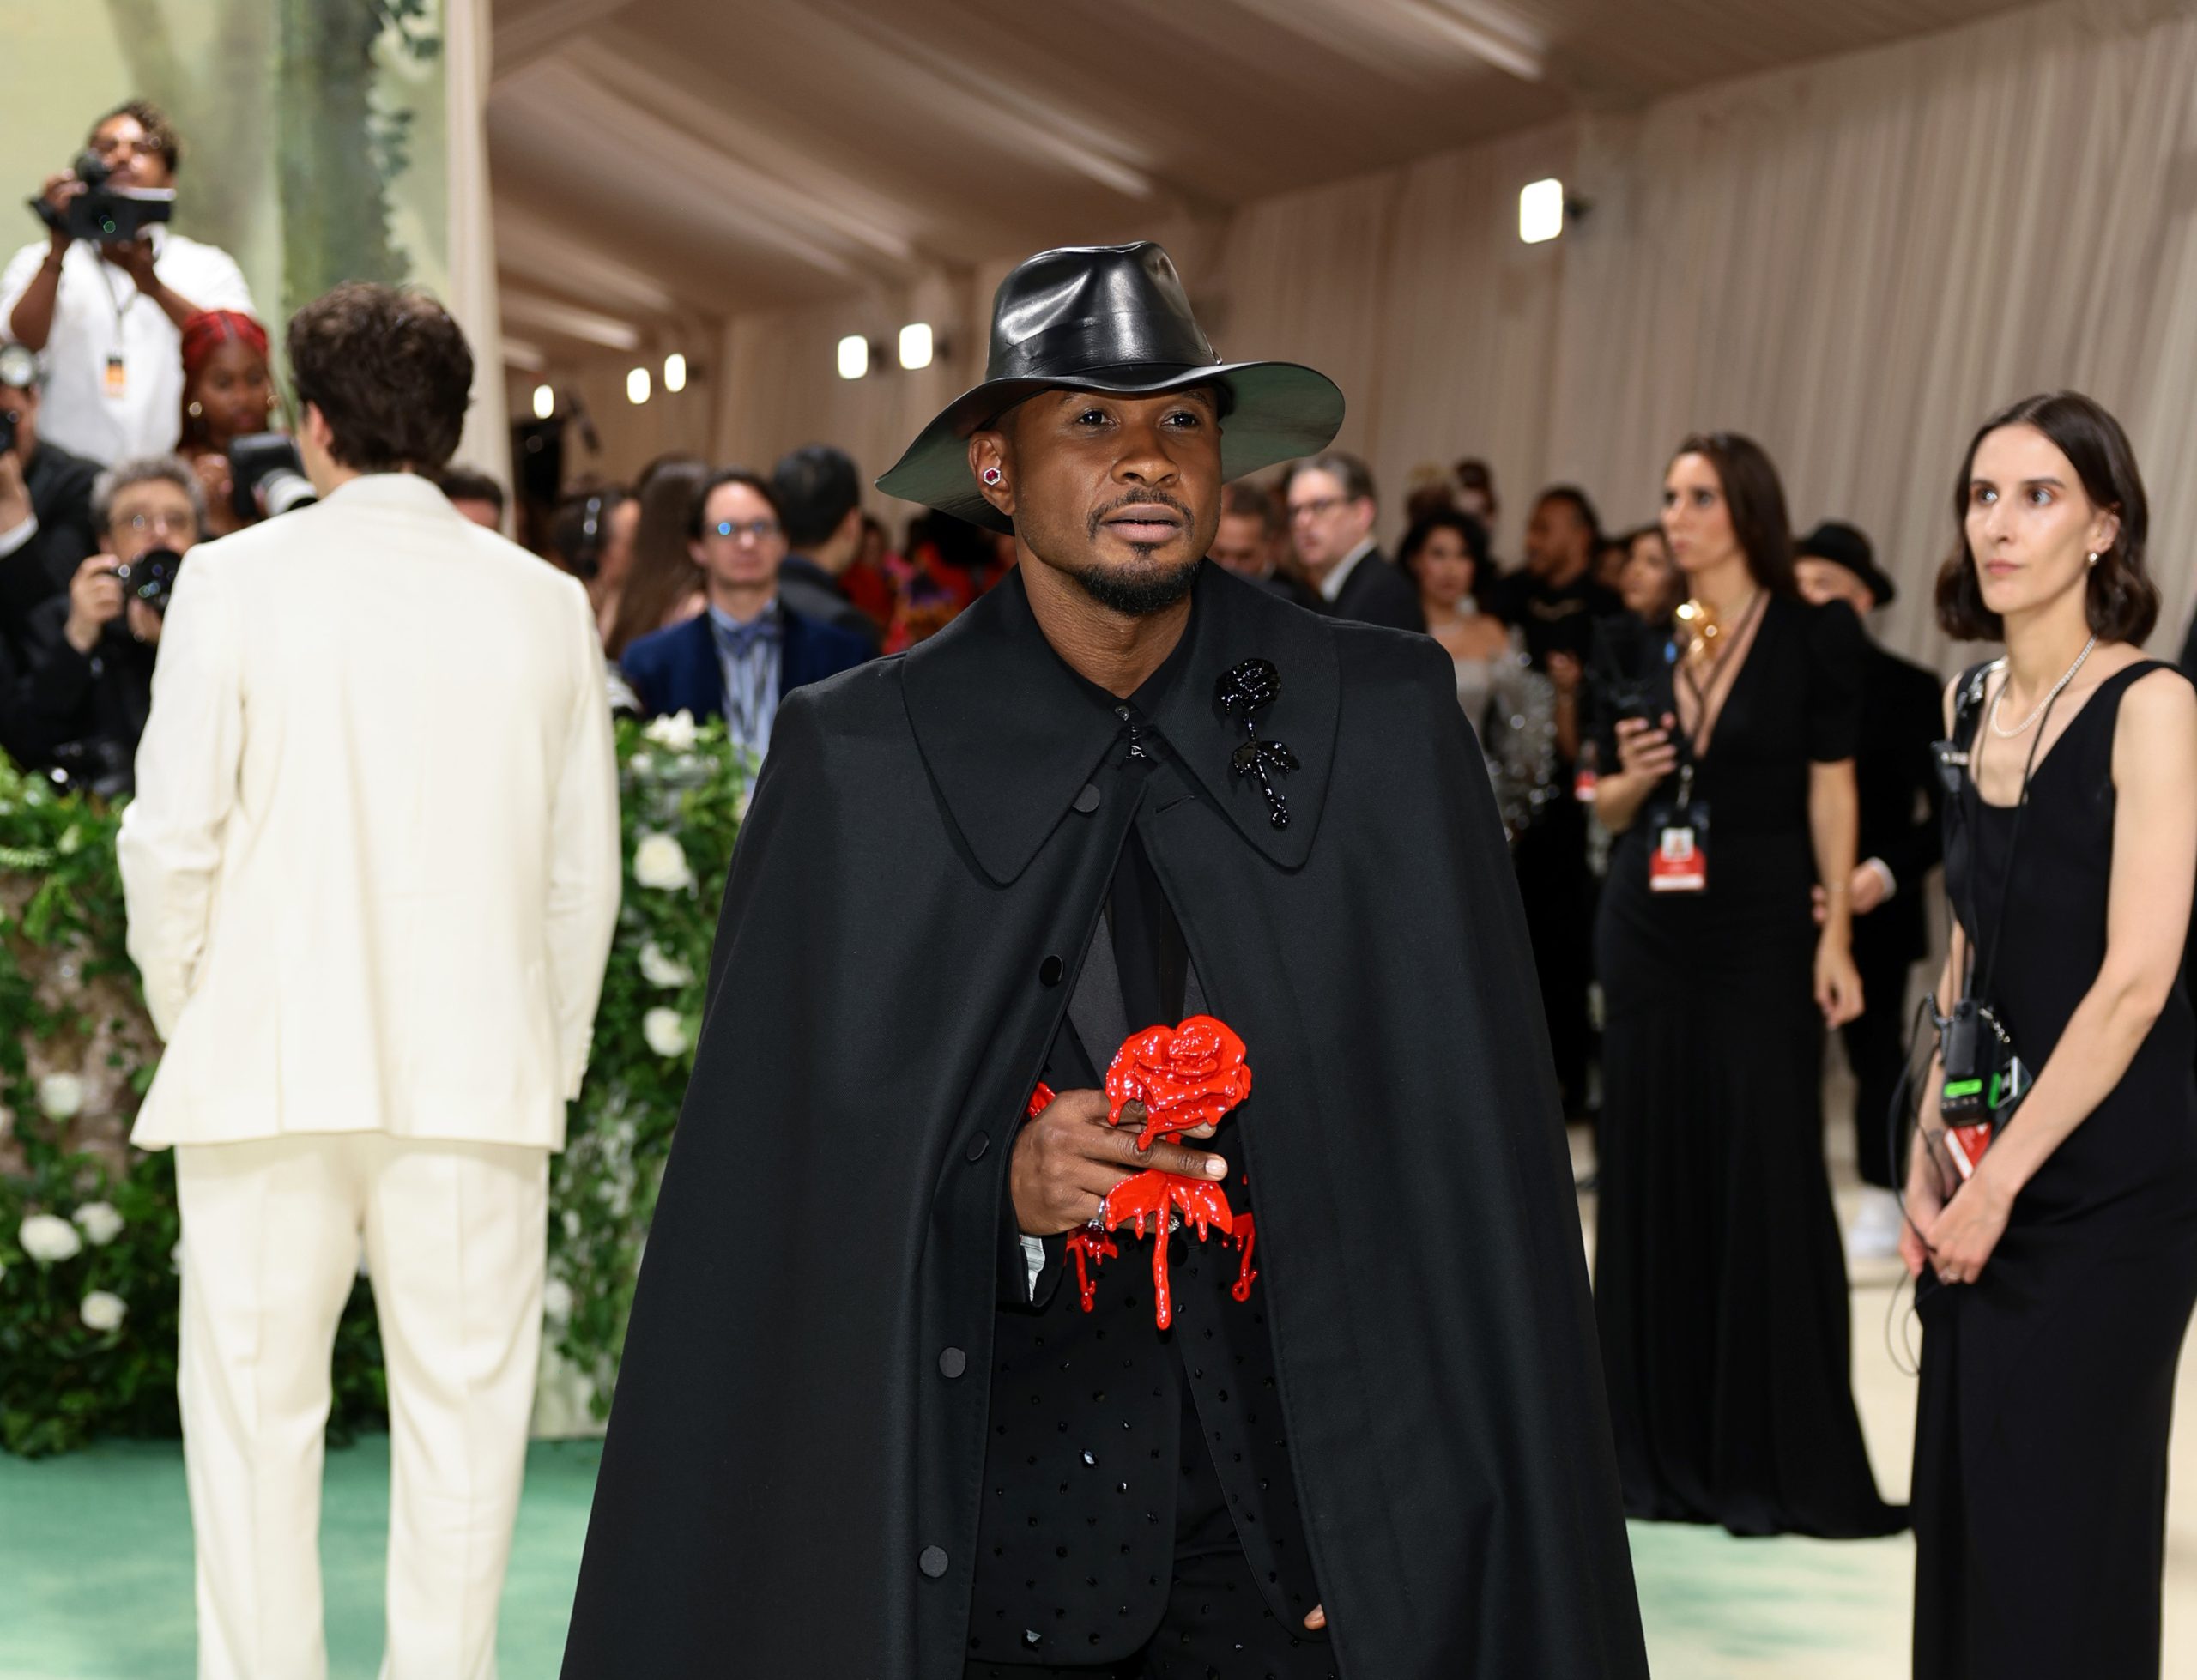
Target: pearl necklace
2024,726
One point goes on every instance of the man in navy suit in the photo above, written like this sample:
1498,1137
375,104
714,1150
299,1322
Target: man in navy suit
744,655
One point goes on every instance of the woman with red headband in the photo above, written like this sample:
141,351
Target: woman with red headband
228,392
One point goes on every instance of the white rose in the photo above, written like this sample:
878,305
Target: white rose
61,1095
660,968
557,1300
100,1223
660,861
102,1312
665,1030
675,732
46,1238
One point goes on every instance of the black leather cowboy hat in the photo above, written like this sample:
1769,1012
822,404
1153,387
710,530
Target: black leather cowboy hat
1842,545
1110,318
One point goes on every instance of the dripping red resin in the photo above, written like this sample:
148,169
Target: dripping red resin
1167,1081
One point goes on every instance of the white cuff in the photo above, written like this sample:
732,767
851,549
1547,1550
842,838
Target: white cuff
1884,875
1033,1257
16,536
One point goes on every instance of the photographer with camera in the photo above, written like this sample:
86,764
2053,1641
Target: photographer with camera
80,702
105,296
46,509
372,873
228,393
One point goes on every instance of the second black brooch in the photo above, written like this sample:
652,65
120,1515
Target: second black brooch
1244,690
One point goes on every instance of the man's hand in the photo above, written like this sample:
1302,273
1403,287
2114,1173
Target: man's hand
55,195
1068,1158
135,258
144,623
1317,1619
14,494
94,602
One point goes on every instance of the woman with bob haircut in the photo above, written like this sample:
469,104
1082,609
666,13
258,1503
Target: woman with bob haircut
1720,1283
2055,1273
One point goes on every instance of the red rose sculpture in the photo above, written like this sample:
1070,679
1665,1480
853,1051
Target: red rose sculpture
1167,1081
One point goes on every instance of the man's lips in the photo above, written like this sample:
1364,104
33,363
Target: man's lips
1146,522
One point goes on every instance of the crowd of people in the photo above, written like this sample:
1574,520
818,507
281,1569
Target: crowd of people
1720,798
139,416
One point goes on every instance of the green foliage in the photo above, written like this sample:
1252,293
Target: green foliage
62,968
604,1193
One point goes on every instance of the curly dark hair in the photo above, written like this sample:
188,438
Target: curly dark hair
1470,532
388,371
151,118
2119,600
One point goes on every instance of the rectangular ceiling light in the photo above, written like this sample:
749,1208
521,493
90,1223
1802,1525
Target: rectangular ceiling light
1541,211
637,386
854,356
916,345
675,373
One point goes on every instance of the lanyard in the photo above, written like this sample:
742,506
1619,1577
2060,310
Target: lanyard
1719,670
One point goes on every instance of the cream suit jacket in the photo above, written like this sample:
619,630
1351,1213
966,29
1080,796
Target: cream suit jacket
372,866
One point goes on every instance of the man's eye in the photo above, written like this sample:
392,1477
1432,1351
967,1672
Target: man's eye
1184,417
1090,417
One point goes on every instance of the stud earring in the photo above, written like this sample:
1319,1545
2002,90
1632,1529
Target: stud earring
2093,559
196,411
992,476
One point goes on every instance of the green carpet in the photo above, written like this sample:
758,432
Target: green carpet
95,1569
95,1577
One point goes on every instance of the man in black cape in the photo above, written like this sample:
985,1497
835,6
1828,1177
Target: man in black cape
865,1426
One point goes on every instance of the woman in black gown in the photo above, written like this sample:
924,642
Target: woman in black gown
1720,1283
2054,1284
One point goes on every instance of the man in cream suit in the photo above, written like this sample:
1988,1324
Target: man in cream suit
371,870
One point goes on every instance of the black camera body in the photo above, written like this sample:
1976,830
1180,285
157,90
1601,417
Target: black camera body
267,476
150,578
6,430
105,214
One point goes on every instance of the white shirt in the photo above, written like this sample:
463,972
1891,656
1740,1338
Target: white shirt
1339,573
99,313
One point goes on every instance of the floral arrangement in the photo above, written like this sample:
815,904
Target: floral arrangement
89,1238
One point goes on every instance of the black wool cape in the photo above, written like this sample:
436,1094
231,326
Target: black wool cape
790,1486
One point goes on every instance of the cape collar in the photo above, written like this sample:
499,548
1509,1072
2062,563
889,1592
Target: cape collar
1010,735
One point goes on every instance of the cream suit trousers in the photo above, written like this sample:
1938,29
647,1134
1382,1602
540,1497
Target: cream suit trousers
456,1240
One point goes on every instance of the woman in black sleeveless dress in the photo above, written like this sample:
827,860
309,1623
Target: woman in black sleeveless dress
2054,1285
1719,1285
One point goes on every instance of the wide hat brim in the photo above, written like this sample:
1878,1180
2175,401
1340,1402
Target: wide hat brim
1277,412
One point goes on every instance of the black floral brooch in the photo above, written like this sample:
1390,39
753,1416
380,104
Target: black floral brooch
1241,693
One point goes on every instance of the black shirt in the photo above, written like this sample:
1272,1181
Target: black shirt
1555,618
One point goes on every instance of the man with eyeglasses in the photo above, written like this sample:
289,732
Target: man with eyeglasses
108,318
81,700
1331,514
749,650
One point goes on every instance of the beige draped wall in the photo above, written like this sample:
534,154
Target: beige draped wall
1854,261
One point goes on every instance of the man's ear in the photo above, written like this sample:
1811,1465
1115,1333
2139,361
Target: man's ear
988,455
697,554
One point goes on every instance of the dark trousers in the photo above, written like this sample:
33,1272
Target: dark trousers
1217,1625
1876,1050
